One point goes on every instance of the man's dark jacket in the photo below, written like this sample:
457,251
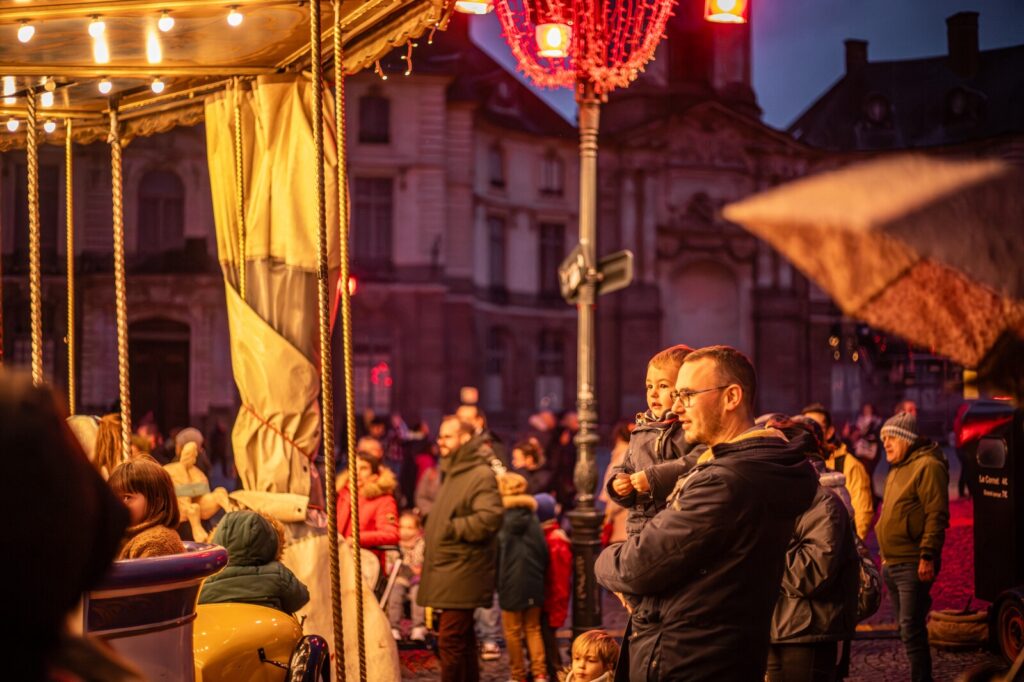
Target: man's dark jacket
707,569
461,535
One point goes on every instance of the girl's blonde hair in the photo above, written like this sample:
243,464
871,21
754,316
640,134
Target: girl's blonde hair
598,643
107,452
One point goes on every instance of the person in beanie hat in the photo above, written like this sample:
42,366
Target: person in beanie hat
557,581
911,530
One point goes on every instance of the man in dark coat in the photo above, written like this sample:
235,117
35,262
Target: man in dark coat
704,574
461,547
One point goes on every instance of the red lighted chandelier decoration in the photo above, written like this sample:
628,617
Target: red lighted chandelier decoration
601,43
571,43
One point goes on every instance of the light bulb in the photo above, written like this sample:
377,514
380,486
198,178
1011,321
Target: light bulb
50,126
97,27
474,6
105,86
157,86
26,31
9,87
12,124
166,22
154,53
100,50
46,99
235,17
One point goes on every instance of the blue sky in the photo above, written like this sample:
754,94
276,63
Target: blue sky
798,44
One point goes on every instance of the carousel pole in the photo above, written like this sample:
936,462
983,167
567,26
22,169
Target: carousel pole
346,325
70,240
240,187
326,366
121,303
35,271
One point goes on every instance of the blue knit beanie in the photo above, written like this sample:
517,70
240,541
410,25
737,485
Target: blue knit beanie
545,507
902,425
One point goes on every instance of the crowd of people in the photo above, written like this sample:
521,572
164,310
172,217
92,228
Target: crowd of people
724,532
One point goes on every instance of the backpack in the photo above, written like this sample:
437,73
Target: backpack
869,592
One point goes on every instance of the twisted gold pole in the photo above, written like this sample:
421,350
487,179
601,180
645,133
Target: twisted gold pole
34,269
346,325
119,284
240,188
324,310
70,241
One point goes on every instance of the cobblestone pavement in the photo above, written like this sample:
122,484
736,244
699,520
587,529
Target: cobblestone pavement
877,654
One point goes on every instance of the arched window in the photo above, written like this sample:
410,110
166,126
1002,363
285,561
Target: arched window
161,225
374,119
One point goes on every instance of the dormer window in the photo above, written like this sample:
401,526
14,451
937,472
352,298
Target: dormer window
878,110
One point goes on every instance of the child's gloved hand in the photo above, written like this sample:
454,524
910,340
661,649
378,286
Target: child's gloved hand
639,482
622,485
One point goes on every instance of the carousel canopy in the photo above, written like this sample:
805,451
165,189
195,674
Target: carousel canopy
157,59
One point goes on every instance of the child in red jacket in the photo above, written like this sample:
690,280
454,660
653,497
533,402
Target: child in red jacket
557,581
378,511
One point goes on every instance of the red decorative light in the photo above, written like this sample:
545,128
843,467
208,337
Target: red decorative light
353,285
608,41
726,11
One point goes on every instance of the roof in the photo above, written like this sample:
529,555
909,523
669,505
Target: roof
476,77
918,103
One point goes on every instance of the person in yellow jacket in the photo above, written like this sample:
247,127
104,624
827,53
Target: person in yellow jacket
858,481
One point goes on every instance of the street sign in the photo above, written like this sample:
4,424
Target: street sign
571,274
614,272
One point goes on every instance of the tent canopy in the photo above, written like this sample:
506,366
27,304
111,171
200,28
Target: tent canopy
198,55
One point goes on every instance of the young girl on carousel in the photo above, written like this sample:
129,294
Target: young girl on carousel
146,489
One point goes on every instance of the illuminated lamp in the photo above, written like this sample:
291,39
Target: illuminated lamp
726,11
474,6
50,126
157,86
12,124
235,17
105,86
166,22
26,31
97,27
553,40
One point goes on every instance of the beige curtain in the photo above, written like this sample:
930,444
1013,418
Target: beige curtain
274,332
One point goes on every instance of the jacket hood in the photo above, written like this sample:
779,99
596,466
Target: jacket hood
772,463
248,537
524,501
922,448
384,485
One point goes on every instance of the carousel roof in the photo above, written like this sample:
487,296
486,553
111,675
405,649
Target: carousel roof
73,46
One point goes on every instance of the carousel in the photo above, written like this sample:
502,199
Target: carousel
267,79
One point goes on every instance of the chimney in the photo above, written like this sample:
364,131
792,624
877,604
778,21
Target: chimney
856,55
962,35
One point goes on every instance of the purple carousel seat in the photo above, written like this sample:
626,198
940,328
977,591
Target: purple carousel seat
144,608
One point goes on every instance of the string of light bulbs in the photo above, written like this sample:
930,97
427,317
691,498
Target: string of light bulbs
97,29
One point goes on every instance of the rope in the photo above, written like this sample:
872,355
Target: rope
346,326
326,369
240,188
70,219
35,271
119,286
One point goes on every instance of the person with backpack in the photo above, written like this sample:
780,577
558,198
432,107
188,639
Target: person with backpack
817,605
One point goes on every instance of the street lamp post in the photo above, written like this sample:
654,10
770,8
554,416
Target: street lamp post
593,46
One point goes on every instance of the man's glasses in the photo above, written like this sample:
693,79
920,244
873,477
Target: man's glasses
686,397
